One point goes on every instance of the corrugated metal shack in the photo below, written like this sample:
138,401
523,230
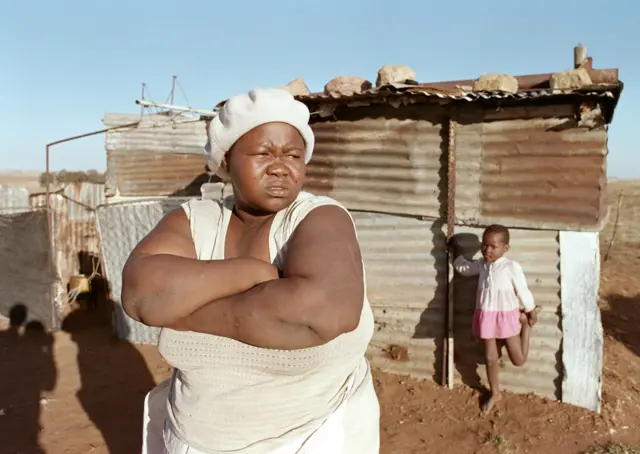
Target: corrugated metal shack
412,162
74,237
534,161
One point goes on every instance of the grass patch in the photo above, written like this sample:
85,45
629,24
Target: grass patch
497,441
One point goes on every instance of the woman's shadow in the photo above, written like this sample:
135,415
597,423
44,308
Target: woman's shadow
114,380
468,351
27,369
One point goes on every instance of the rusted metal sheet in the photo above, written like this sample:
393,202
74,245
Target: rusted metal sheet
162,156
381,164
13,199
83,199
540,172
406,270
156,134
74,239
538,253
141,173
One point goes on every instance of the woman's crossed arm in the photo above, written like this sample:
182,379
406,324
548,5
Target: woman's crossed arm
319,297
163,282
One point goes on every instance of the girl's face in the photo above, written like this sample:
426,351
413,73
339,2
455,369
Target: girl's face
493,246
267,168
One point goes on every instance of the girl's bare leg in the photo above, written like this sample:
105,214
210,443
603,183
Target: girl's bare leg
518,346
493,367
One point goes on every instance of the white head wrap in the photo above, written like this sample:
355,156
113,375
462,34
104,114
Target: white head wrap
241,113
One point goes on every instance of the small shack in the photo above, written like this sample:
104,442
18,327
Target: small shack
42,254
417,164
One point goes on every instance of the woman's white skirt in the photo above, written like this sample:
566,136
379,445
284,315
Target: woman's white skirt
159,436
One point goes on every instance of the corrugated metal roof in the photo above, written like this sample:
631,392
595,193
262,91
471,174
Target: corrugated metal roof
155,134
543,172
406,270
410,93
380,164
538,253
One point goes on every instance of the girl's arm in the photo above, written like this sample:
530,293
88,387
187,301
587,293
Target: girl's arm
467,267
522,289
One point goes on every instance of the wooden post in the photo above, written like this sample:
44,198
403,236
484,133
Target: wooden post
451,193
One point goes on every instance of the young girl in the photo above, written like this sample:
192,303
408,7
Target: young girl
497,316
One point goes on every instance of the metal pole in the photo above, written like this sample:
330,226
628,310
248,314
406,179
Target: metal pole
141,106
451,196
48,167
201,112
48,189
81,136
173,88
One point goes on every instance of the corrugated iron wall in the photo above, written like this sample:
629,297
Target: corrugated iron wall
162,156
538,253
83,198
530,168
381,159
13,199
406,268
74,236
26,277
121,226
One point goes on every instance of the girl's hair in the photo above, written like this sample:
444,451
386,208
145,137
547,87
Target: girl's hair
498,229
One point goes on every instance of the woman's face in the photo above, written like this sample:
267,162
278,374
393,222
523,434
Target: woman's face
267,168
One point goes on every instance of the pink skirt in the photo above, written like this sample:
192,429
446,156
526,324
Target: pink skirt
496,324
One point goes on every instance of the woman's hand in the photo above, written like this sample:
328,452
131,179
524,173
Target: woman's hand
320,296
163,281
267,272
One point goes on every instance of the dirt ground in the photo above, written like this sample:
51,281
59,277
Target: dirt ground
79,391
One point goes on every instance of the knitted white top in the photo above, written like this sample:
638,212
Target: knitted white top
227,396
500,284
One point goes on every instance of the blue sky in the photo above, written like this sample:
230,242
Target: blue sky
65,64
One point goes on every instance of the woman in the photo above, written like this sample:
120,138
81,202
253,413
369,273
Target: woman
261,298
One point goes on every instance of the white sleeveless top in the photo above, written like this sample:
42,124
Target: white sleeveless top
227,396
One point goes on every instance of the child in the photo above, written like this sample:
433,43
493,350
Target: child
497,315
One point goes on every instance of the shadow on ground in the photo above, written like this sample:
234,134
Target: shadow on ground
27,372
114,380
622,320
